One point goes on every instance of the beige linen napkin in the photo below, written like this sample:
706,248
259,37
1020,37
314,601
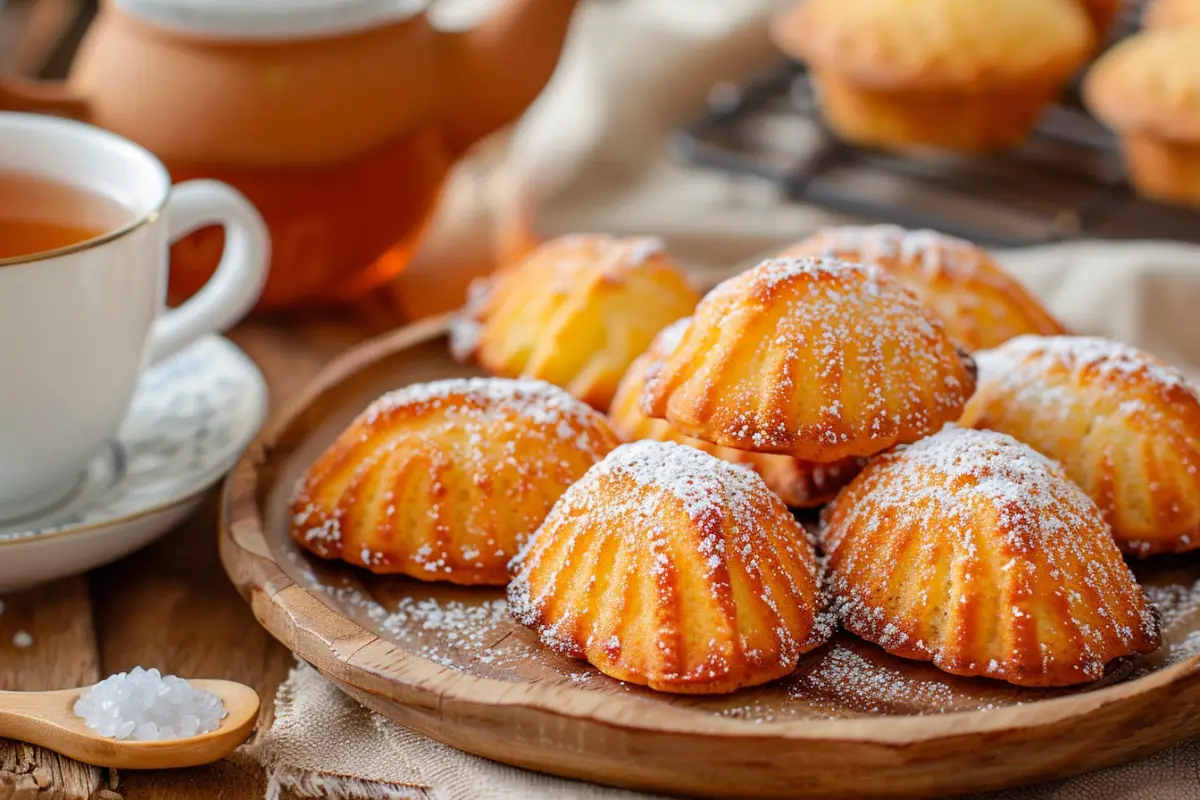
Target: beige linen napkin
324,745
591,155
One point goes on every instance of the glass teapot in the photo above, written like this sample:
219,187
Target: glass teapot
339,119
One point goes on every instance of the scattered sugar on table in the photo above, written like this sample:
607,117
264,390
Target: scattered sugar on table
147,706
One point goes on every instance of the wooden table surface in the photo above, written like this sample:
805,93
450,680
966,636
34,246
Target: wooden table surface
169,606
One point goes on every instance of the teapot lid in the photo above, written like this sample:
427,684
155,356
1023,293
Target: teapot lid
270,19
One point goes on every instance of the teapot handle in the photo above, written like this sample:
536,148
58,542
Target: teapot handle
41,97
496,68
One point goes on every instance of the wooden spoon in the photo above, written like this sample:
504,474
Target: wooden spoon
48,719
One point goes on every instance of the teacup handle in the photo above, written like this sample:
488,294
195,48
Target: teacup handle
234,288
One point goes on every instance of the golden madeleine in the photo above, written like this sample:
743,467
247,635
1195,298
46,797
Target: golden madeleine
1147,89
1172,14
1124,425
820,360
575,313
973,551
800,484
443,481
669,568
965,75
981,304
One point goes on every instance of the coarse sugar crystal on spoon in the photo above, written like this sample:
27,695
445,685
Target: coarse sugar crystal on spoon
145,705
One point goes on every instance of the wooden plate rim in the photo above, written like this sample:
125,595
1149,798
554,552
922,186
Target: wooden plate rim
246,555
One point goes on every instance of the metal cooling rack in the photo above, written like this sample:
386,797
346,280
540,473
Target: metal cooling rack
1066,181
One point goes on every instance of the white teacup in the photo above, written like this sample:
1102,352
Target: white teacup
79,324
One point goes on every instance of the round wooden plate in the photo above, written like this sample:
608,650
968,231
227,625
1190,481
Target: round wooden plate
852,721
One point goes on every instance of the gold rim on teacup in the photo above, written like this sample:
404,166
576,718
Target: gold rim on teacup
88,244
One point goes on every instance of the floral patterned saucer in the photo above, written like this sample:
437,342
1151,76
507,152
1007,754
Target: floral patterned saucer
190,420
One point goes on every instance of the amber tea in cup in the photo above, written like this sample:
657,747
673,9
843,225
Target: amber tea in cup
38,215
86,223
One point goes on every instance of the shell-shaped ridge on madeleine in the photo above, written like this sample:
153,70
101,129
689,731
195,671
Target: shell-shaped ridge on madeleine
666,567
980,303
800,484
1125,425
973,551
575,313
818,359
444,480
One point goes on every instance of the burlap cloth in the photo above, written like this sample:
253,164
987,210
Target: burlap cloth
591,156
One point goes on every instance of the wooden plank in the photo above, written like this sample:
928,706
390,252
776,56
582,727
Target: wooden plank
61,653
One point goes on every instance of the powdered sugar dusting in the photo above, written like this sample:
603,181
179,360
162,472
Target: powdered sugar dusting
930,252
702,483
1177,603
844,677
454,633
980,304
774,271
471,631
1022,361
1033,498
538,399
1179,606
